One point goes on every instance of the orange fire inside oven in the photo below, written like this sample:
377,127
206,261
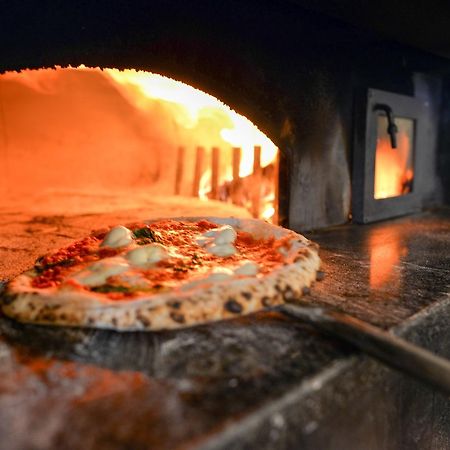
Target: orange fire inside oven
80,140
394,166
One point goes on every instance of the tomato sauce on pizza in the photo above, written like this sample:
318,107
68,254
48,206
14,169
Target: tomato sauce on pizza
188,251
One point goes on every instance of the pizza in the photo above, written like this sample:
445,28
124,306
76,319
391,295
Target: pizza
165,274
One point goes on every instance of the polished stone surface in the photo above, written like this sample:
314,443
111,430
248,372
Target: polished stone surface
262,381
385,272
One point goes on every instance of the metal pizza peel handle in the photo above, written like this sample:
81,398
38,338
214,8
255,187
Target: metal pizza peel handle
385,346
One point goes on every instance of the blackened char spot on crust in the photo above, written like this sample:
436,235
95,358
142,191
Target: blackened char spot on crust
306,290
320,275
233,306
288,293
90,321
31,306
177,317
144,320
47,316
174,304
247,295
8,298
313,245
266,301
114,321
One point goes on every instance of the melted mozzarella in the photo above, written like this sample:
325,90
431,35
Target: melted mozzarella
225,234
96,274
247,268
219,241
134,279
147,255
117,237
219,274
223,250
203,241
216,275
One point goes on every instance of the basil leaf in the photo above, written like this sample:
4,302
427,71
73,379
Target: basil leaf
145,233
39,267
105,288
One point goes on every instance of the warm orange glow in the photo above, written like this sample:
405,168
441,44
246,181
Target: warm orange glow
193,106
393,176
91,130
386,250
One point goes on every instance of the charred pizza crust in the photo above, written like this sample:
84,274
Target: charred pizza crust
205,303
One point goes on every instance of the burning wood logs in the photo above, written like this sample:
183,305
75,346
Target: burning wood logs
256,190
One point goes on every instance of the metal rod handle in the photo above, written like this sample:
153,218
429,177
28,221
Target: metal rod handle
386,347
392,129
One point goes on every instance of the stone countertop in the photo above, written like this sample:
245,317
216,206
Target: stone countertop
385,272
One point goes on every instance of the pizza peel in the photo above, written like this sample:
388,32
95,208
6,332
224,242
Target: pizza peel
383,345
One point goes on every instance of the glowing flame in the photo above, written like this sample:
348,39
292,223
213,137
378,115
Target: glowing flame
393,176
268,213
194,105
205,185
190,107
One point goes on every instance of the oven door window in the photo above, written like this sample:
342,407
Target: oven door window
394,171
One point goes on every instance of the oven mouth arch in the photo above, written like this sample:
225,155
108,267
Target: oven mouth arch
134,93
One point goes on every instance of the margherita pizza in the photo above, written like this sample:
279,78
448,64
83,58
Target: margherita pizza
165,274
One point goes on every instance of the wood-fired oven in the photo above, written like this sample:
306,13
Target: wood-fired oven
328,120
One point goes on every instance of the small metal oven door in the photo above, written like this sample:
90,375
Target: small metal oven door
391,121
